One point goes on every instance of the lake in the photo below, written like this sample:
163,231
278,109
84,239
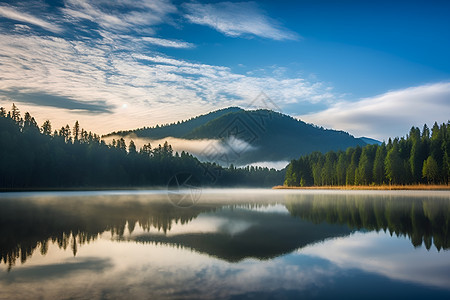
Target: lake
225,244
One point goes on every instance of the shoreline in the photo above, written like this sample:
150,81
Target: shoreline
418,187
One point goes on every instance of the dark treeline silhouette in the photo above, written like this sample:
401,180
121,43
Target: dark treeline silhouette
420,158
37,157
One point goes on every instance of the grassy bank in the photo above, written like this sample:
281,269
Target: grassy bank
369,187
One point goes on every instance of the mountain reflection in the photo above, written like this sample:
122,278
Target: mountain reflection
239,228
266,236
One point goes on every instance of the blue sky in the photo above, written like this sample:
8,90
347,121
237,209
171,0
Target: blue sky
372,68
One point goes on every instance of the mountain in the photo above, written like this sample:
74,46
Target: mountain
179,129
249,136
370,141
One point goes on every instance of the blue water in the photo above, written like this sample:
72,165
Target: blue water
230,244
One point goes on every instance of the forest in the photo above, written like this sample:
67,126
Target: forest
39,157
422,157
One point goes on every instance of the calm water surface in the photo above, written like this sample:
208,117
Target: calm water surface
233,244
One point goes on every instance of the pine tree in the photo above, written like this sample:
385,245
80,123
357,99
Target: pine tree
365,166
121,144
341,168
76,131
431,170
416,156
46,128
147,150
351,170
132,148
291,176
437,150
378,165
30,123
15,113
394,165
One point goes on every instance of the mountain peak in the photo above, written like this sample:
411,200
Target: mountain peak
248,136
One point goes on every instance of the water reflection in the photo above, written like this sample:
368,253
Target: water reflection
231,228
232,244
424,220
243,233
27,224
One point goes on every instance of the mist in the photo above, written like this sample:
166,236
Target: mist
203,149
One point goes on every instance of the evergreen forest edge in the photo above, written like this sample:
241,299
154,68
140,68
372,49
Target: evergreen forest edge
422,157
33,157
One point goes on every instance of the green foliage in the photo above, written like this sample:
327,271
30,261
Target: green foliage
37,158
430,170
394,165
291,177
378,165
365,167
418,158
341,168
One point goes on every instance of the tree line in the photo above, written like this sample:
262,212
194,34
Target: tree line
422,157
33,156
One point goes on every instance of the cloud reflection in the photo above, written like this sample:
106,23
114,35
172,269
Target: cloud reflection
387,256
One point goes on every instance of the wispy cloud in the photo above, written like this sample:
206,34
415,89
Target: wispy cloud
167,43
43,99
106,63
238,19
13,14
152,88
390,114
120,15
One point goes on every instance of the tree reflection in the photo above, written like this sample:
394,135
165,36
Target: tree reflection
422,220
32,224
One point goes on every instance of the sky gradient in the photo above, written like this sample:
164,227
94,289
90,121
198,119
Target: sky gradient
370,68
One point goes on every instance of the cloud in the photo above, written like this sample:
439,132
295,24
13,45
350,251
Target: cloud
277,165
110,70
106,63
53,271
388,115
237,19
13,14
399,261
120,15
167,43
44,99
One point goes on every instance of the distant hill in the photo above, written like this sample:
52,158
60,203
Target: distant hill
179,129
253,135
370,141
